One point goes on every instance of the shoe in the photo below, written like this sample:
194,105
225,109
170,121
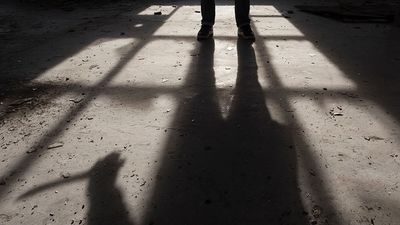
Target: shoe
205,32
245,32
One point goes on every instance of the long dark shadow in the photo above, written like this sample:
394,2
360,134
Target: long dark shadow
301,147
234,170
264,157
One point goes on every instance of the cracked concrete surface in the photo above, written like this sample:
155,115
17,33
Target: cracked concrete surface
111,114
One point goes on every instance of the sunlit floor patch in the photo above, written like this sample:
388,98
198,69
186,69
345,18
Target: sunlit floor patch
355,147
90,65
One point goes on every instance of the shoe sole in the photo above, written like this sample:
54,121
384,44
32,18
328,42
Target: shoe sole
200,38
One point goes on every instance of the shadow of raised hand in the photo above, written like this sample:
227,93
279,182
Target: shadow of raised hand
106,204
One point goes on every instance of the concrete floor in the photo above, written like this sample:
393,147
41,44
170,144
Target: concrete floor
111,114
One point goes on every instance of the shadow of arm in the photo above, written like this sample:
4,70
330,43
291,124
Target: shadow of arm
55,183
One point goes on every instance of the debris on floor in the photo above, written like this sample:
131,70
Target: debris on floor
56,145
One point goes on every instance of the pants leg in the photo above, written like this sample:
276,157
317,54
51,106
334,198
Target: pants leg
242,10
208,12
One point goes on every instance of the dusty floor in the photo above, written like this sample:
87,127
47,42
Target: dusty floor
111,114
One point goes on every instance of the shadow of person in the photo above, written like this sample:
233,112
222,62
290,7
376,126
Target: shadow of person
264,166
106,205
106,202
234,170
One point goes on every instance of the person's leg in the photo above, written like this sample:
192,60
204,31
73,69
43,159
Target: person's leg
242,10
208,19
208,12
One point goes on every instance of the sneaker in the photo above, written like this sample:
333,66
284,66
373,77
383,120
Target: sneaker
205,32
245,32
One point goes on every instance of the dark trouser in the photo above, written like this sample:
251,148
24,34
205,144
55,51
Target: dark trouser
242,9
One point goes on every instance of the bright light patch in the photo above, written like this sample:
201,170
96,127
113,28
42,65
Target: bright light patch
270,22
89,65
300,65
